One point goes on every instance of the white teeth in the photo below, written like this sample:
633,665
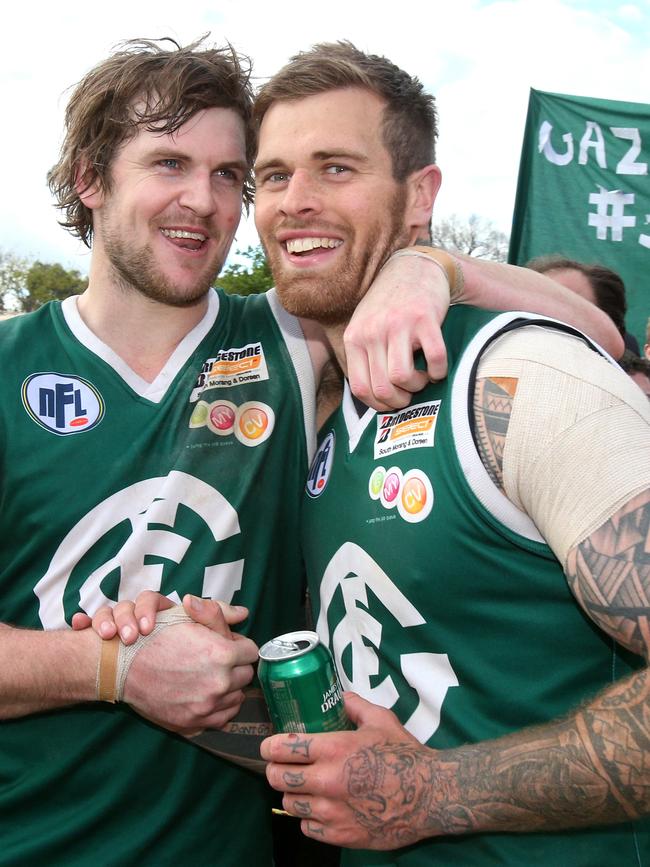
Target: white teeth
177,233
302,245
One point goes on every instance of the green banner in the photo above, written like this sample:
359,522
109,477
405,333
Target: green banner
584,190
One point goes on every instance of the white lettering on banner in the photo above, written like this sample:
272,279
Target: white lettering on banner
610,218
149,503
546,147
596,142
593,139
628,165
644,240
610,213
430,675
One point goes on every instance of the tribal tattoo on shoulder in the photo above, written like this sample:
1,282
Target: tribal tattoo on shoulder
492,409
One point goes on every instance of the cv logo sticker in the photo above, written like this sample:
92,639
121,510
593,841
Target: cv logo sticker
410,493
62,404
251,423
152,519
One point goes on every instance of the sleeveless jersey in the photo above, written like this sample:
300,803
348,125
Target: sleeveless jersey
110,486
457,619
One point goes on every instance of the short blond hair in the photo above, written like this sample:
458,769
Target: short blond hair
409,128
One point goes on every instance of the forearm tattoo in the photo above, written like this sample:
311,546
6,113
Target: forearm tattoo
591,768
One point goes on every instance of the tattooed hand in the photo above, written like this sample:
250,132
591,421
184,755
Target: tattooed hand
371,788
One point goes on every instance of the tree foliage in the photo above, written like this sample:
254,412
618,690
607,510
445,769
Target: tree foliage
12,278
474,236
26,285
247,279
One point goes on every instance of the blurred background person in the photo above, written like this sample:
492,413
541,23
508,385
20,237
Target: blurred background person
637,369
598,284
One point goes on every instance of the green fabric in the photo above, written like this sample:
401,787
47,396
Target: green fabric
96,783
586,168
463,626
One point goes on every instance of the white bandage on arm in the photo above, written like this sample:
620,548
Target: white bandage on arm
577,446
116,658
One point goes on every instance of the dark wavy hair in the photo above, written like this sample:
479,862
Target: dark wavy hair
155,84
607,285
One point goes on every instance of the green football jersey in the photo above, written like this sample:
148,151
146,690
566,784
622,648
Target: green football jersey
441,601
110,485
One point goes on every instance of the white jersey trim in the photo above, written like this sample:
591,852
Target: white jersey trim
156,390
487,493
299,353
354,423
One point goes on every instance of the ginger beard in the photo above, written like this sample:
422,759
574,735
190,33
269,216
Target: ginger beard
137,269
330,295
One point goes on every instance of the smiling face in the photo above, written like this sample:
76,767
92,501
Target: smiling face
165,227
327,208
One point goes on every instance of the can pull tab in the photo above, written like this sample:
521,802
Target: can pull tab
292,646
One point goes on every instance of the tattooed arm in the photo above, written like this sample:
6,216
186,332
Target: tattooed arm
378,788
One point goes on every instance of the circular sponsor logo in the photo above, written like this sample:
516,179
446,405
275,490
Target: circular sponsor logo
391,488
376,483
416,497
62,404
321,467
254,423
200,413
221,417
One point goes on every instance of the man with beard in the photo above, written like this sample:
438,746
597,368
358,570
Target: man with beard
156,435
502,707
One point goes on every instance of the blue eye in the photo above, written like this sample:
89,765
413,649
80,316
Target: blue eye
169,163
229,175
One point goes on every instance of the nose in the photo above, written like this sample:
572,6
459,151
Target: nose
199,194
301,195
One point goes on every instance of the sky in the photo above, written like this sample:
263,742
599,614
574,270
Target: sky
480,59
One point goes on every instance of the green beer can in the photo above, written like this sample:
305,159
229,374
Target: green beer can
300,684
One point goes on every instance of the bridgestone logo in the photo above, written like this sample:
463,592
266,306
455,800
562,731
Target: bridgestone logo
417,412
237,355
410,428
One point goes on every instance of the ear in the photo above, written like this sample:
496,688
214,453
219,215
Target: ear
88,185
422,189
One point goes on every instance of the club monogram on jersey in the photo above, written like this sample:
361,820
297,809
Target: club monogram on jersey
357,637
150,510
62,404
231,367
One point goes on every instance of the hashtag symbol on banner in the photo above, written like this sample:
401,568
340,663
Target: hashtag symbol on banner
610,213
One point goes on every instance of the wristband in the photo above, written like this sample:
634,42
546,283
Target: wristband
107,670
450,266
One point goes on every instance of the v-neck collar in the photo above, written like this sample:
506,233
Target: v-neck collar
156,390
354,423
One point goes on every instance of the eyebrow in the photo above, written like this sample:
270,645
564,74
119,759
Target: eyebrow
317,156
